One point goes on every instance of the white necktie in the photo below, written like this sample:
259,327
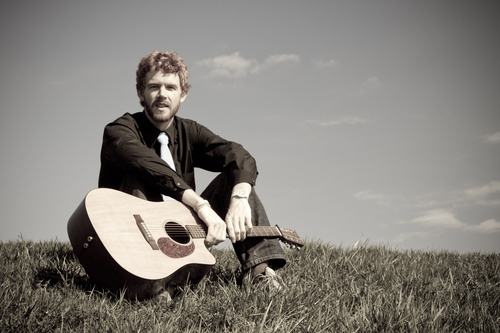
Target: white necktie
166,155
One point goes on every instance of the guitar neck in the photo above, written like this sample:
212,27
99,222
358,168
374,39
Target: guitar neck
200,231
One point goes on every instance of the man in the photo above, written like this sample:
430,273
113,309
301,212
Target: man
134,160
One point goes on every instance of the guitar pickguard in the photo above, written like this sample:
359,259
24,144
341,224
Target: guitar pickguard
174,250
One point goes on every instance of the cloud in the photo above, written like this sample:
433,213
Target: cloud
367,195
481,191
492,138
483,195
368,86
445,219
372,83
340,121
479,194
323,64
489,203
440,218
490,225
280,59
230,66
235,66
436,213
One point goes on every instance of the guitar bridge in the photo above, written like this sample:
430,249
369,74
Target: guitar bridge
146,232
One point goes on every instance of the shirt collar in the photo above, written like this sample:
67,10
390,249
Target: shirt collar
150,132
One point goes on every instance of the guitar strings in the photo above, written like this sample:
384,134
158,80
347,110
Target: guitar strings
193,228
198,231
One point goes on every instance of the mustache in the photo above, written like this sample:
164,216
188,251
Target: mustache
160,100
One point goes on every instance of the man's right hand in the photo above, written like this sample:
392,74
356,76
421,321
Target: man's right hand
216,226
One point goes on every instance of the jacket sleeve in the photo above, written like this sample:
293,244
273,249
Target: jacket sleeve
213,153
124,149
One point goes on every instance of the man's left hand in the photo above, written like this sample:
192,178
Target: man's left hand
238,219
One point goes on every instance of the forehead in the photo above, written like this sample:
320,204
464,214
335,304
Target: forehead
162,77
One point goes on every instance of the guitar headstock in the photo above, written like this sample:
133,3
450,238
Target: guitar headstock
290,237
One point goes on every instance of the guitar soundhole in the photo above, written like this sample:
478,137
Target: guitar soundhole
177,232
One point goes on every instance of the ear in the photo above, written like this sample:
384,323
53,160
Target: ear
183,97
140,95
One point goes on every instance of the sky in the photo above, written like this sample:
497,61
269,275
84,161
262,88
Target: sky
373,122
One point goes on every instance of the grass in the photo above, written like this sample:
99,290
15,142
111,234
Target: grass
372,288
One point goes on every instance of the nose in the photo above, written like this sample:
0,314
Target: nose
162,92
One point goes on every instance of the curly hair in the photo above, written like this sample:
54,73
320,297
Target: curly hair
168,62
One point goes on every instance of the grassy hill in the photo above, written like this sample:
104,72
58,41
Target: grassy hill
43,288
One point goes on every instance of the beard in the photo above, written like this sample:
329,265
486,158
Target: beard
161,117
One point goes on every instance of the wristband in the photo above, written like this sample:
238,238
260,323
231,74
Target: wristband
204,203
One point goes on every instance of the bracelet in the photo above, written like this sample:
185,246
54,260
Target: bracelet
200,206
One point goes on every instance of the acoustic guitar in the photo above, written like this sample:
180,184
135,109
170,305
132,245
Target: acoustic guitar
125,242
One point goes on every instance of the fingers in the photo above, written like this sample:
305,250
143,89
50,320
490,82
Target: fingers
216,234
236,228
248,221
230,231
216,226
239,221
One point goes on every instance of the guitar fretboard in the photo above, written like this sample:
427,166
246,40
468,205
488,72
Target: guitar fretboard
200,231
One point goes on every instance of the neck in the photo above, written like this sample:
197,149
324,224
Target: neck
200,231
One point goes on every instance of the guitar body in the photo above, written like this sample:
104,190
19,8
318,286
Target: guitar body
142,246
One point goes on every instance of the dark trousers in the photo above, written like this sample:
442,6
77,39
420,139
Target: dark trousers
253,250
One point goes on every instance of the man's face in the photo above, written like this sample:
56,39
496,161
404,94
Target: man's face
162,97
